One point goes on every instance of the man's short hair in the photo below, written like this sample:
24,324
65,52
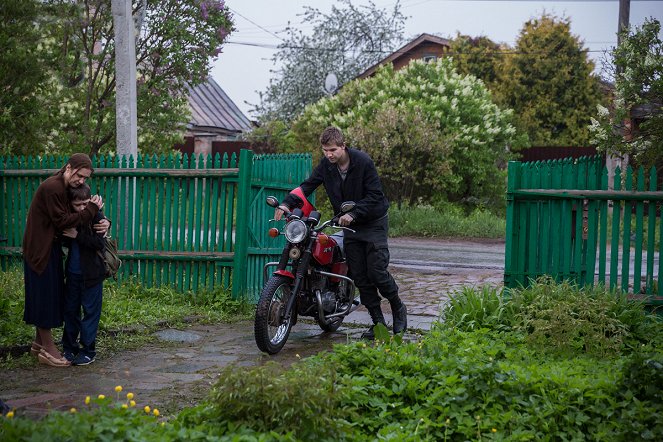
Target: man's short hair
80,193
332,136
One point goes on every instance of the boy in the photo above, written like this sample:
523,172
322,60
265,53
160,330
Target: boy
85,272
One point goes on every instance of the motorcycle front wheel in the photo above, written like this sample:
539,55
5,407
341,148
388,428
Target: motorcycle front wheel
272,327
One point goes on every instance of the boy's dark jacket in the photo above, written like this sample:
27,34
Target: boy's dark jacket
362,185
89,242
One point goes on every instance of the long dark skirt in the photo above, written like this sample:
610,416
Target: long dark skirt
44,294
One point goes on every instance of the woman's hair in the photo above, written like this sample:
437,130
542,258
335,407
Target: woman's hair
332,136
80,193
78,161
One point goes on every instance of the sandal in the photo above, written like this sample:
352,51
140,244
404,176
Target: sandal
48,359
35,349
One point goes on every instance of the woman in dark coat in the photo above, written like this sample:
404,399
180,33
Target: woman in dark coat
48,216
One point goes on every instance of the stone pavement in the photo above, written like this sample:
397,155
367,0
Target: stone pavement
178,370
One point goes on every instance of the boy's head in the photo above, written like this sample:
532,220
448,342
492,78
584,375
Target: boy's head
79,196
333,145
332,136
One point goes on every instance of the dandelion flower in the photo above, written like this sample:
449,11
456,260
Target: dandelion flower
10,414
87,400
494,430
101,396
72,410
125,406
132,403
130,396
155,412
118,388
147,409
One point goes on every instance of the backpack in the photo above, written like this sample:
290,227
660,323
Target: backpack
110,257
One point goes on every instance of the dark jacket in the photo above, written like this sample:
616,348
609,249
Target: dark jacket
89,243
49,214
362,185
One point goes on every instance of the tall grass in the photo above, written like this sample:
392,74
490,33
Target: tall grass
446,221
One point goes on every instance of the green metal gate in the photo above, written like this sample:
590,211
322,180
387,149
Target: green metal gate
563,221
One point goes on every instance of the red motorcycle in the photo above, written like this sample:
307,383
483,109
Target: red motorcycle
310,278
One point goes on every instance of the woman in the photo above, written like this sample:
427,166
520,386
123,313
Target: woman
48,216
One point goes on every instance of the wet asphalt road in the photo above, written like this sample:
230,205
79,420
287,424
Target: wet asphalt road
421,253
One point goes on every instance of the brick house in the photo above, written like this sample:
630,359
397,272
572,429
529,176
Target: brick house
426,47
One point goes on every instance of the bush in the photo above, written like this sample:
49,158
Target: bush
559,317
301,401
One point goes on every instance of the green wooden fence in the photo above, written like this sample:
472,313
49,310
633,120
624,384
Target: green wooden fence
191,223
563,221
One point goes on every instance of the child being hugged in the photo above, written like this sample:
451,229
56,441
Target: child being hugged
85,272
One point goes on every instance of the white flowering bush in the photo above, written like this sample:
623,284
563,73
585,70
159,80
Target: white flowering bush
433,134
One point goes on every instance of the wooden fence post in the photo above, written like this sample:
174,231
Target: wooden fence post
510,264
241,252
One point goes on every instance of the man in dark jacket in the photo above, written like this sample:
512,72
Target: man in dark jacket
350,175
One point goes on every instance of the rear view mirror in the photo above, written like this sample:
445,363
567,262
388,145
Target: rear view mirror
347,206
272,201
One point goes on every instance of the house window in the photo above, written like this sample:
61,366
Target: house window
429,58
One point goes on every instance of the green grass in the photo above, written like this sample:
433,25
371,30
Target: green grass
477,376
447,221
129,313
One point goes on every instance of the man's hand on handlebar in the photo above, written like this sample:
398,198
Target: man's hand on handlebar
279,211
345,220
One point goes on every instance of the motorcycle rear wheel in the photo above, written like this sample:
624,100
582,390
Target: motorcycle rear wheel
271,329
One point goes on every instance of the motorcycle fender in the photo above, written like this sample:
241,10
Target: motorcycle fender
285,273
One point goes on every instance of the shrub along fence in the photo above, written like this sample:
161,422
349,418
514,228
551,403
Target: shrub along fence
564,221
192,223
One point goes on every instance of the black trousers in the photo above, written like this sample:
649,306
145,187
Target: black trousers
367,254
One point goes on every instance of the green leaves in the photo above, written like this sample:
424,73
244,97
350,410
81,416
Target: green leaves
634,124
549,83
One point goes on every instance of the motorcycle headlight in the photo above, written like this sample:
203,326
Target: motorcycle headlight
295,231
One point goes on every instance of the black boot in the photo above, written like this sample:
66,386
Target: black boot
400,319
378,318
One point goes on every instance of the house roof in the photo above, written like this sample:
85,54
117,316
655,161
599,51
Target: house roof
403,51
213,111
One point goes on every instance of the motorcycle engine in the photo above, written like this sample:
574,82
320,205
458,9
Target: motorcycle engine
328,302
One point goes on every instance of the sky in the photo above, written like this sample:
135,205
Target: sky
244,67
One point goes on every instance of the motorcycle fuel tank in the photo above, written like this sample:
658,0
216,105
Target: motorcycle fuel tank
323,250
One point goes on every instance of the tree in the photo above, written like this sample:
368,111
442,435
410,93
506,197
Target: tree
345,42
548,82
22,77
638,79
431,132
176,42
478,56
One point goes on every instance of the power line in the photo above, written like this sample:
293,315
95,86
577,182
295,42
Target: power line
376,51
256,24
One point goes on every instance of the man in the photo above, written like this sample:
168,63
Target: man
350,175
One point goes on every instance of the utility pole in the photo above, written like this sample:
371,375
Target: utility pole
126,122
624,13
